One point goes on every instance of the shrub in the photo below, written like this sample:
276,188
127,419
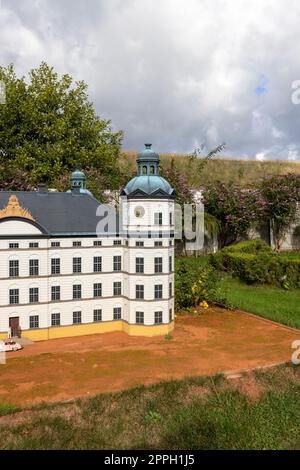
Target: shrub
254,261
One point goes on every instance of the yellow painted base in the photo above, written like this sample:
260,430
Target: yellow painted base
53,332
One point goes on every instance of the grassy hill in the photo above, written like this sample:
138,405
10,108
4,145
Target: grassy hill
243,172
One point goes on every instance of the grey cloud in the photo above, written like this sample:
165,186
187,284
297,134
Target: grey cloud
174,72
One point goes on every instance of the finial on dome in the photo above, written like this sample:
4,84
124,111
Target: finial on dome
148,146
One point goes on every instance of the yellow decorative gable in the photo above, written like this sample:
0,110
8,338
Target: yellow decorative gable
13,209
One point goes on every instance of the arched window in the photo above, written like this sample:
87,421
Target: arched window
144,170
152,169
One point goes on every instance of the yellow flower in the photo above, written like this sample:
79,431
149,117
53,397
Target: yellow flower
204,304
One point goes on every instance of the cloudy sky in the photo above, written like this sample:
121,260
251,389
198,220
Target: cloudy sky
177,73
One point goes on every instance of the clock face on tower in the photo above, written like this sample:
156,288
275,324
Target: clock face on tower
139,212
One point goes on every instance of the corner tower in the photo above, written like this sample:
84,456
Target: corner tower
148,223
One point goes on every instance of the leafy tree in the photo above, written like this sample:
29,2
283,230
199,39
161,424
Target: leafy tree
282,196
47,125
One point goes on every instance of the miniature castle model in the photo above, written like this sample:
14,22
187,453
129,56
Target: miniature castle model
61,277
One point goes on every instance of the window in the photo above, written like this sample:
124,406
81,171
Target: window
13,296
76,265
152,170
144,170
13,268
117,313
76,243
117,263
33,295
158,266
55,292
55,244
97,290
55,266
158,243
77,291
170,243
117,242
33,267
170,315
170,264
158,318
117,288
158,291
139,318
97,315
97,264
76,318
139,291
97,242
34,321
158,218
139,243
14,245
33,245
139,265
55,319
171,218
170,289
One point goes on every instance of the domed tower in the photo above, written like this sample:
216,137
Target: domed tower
147,204
78,182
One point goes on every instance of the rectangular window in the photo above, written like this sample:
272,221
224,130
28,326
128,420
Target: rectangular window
139,243
76,318
77,291
33,295
139,291
117,242
170,264
33,267
158,318
139,265
158,265
97,264
117,313
55,292
55,244
170,289
117,288
76,243
14,245
158,291
55,319
158,243
158,218
97,243
170,315
13,268
14,296
33,245
139,318
55,266
97,315
98,289
76,265
170,243
34,321
117,263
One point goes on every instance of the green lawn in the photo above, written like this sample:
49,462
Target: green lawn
266,301
274,303
258,411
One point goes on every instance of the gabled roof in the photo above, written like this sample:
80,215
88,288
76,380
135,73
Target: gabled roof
58,213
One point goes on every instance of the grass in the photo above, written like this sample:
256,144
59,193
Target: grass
274,303
269,302
241,172
258,411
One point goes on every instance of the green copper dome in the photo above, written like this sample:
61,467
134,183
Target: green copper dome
148,183
78,182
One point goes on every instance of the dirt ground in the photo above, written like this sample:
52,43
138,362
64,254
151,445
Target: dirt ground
217,341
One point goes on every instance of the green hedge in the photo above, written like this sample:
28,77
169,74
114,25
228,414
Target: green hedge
254,261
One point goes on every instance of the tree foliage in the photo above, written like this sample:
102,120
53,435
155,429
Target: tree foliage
48,124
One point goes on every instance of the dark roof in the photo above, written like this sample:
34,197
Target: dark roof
58,213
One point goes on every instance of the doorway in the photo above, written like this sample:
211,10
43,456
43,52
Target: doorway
14,323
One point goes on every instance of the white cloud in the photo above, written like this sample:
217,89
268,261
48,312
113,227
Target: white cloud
172,71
